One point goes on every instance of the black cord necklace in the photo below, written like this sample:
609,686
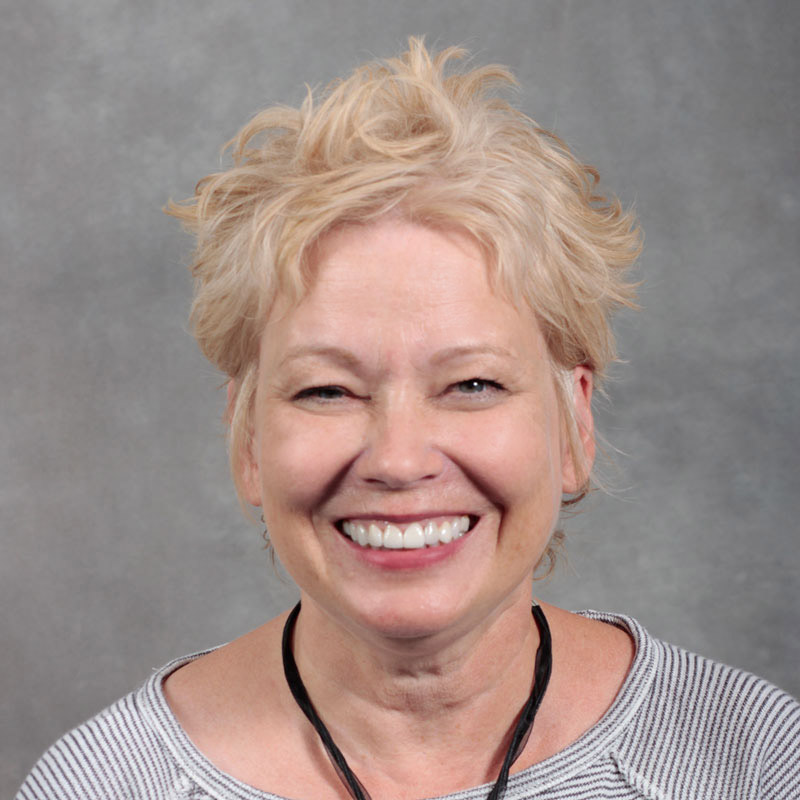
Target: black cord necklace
522,730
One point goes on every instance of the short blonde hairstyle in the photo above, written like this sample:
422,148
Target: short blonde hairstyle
407,136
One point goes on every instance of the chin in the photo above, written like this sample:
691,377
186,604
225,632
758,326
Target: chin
411,614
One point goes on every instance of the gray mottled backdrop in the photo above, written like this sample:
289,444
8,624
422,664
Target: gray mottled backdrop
122,544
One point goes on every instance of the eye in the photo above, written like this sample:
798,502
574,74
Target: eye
322,393
477,386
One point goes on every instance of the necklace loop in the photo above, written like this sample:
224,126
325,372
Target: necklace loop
522,730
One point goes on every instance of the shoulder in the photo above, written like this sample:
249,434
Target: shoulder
706,729
119,753
719,703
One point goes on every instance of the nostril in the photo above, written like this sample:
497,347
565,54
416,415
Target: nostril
400,467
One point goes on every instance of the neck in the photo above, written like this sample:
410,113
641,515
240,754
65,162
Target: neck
458,695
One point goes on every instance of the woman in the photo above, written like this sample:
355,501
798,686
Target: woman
409,288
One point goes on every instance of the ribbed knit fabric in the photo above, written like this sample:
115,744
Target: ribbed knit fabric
681,728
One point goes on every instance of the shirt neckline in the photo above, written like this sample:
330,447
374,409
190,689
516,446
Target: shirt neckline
540,776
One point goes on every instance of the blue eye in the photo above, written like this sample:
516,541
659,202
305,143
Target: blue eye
477,386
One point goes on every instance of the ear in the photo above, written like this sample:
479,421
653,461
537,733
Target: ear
574,475
245,469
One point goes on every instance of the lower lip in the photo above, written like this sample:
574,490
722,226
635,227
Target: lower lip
416,558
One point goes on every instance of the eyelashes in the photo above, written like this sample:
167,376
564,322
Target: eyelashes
324,394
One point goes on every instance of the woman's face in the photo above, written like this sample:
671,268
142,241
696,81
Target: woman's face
400,398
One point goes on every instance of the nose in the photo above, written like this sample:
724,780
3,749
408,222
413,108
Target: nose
400,448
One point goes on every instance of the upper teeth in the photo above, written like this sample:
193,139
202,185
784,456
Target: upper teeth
413,536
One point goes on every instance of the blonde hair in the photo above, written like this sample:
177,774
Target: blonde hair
407,136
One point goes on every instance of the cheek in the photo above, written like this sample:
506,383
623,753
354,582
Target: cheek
302,459
517,459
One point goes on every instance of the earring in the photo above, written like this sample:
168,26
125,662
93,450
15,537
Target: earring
265,534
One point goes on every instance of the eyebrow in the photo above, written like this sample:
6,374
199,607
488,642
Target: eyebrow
330,352
467,351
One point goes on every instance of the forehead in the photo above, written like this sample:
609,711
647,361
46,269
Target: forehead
402,259
395,285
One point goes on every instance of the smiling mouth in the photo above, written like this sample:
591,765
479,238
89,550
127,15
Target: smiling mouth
406,536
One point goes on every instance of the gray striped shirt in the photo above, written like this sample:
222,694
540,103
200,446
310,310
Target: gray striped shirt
681,728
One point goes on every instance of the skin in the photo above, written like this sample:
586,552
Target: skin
402,387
